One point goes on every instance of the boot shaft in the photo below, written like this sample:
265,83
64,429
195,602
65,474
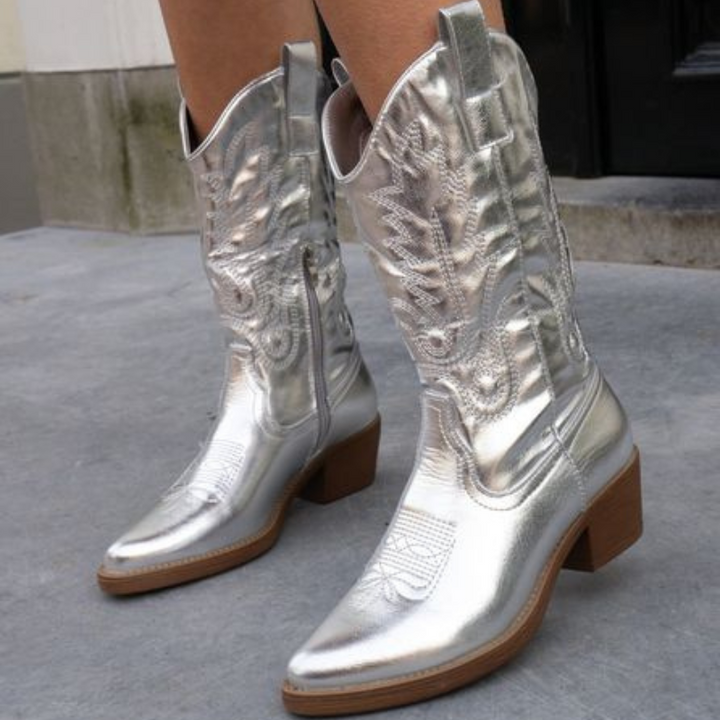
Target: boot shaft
451,194
269,244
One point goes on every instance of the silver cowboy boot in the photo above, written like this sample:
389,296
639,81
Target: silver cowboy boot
525,461
298,414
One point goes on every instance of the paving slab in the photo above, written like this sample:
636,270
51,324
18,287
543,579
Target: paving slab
110,368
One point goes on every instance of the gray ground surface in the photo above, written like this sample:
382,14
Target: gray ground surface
110,366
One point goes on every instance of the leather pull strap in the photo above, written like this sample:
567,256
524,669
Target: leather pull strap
463,30
339,71
301,96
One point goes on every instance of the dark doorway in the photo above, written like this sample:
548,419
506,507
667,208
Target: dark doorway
626,86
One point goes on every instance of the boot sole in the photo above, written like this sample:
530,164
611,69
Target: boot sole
611,524
343,469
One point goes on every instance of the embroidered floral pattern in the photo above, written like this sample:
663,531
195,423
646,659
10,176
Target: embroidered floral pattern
411,559
252,259
464,348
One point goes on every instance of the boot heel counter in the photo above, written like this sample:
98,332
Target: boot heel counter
602,443
353,405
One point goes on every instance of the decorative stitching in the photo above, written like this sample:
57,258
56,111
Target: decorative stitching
212,478
473,358
293,487
253,267
410,561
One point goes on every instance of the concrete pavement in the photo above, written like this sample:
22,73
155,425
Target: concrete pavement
110,366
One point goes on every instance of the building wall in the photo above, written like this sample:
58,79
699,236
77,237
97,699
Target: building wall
78,35
90,88
19,205
12,57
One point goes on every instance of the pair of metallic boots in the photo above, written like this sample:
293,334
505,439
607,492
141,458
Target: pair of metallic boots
525,462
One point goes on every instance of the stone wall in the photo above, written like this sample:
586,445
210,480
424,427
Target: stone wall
107,150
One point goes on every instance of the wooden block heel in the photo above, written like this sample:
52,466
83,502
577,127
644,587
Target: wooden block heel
347,467
613,523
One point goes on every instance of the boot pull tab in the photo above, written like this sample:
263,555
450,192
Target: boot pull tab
339,71
463,30
299,61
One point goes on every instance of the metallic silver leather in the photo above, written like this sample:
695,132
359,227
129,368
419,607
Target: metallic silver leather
295,380
450,193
